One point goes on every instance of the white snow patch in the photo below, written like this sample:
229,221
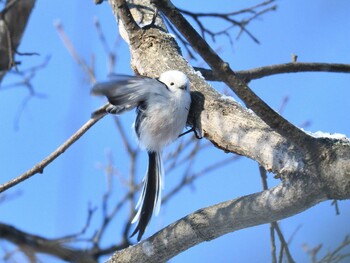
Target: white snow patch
172,35
225,97
320,134
198,73
251,112
147,248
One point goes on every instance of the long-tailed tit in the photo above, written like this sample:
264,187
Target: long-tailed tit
162,107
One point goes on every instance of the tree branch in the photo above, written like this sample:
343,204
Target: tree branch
123,13
265,71
39,167
211,222
246,133
275,227
13,20
73,52
222,69
43,245
233,129
253,11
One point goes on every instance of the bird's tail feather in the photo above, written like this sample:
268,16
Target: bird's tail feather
150,198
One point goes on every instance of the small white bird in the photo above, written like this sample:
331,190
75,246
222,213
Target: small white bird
162,107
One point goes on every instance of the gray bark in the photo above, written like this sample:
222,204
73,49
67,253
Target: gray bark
305,180
13,20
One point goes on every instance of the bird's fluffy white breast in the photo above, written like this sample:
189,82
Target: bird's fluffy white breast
170,123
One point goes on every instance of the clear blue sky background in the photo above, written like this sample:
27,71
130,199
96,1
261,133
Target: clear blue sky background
55,203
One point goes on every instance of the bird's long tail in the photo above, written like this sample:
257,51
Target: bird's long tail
150,198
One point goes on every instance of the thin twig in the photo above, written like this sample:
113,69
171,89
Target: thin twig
305,142
127,143
173,159
70,47
34,243
293,234
266,71
189,178
110,55
132,186
107,217
181,39
275,227
335,255
71,237
336,206
253,11
26,76
263,176
283,242
39,167
273,244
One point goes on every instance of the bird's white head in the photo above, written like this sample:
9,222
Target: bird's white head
175,80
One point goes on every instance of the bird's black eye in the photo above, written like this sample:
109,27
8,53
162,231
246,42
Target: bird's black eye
172,83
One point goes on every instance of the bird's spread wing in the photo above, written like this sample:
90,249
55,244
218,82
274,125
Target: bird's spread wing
126,92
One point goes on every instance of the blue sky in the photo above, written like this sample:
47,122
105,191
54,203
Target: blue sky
55,203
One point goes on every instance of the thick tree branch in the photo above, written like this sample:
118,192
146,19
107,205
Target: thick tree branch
231,127
235,129
212,222
294,67
13,20
212,110
224,72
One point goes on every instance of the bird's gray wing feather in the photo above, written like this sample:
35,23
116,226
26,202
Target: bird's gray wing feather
126,92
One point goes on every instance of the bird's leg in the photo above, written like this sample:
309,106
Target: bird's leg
112,109
194,131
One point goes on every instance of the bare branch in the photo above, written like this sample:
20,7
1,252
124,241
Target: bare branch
107,215
110,55
253,13
73,237
26,76
222,69
284,244
275,227
273,244
212,222
189,178
294,67
70,47
39,244
180,38
39,167
173,158
335,256
127,144
336,206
